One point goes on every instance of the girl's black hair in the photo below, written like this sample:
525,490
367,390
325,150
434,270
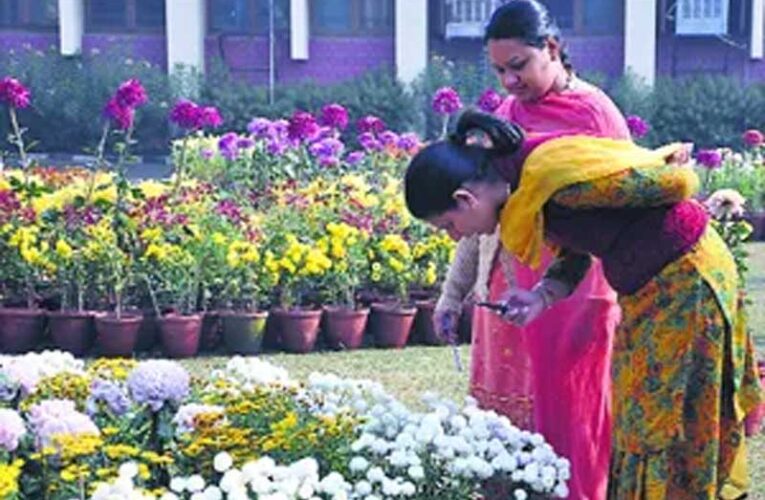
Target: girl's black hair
438,170
526,20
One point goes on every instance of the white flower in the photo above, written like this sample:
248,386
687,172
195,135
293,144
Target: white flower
725,203
520,494
128,470
561,491
168,495
195,483
222,462
178,484
363,488
197,496
212,493
358,464
375,475
416,472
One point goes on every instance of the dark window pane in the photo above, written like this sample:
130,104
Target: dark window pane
376,15
281,15
602,17
332,16
9,13
150,13
563,12
43,13
230,15
107,13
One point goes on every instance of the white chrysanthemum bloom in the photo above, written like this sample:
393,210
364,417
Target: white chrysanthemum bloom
195,483
128,470
375,475
416,472
212,493
222,462
233,479
358,464
363,488
178,484
561,491
725,203
519,494
168,495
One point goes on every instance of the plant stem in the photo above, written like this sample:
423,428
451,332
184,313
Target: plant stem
17,137
181,165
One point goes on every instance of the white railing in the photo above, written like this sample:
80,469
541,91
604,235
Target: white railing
467,18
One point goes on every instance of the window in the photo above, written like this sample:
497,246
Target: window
352,17
563,12
702,17
125,15
246,16
587,17
29,14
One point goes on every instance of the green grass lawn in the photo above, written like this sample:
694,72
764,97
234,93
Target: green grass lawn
409,372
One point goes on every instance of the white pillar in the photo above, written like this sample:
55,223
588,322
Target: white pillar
640,39
71,23
299,30
185,30
411,43
758,25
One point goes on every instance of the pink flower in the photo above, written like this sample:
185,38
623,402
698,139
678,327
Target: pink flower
370,123
446,101
709,158
638,127
334,115
303,126
131,94
121,116
211,117
725,203
489,101
753,138
14,93
186,114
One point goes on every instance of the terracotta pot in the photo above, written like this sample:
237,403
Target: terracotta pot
344,327
465,326
422,295
73,331
424,332
117,337
243,332
148,333
21,329
390,324
210,337
297,329
180,334
755,421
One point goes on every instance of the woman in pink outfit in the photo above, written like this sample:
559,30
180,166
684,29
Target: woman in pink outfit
553,376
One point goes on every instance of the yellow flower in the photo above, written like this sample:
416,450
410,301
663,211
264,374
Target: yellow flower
9,477
63,249
218,239
396,265
151,234
430,274
152,188
154,251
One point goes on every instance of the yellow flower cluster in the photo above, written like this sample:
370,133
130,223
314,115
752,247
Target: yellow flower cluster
9,478
299,259
32,250
112,368
242,253
64,385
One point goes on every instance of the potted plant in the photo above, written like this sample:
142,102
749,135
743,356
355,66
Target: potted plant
344,321
431,254
391,272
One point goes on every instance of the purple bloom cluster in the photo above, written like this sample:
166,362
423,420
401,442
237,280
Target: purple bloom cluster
327,151
58,417
709,158
275,133
370,124
191,116
158,382
489,100
109,393
12,429
369,142
355,157
303,127
409,142
446,101
638,127
120,108
388,139
753,138
231,210
334,116
14,93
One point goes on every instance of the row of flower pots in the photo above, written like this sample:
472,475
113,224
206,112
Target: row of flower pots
381,325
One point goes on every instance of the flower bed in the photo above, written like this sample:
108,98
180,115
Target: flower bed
248,431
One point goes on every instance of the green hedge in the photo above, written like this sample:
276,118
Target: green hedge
69,93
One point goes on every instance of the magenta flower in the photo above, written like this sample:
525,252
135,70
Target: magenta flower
186,114
369,142
227,145
709,158
370,123
211,117
260,127
121,116
131,94
303,126
446,101
753,138
14,93
334,115
489,101
409,142
389,138
638,127
327,148
355,157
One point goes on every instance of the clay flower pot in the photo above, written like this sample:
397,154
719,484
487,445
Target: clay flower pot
73,331
243,332
344,327
180,334
21,330
297,329
117,337
391,324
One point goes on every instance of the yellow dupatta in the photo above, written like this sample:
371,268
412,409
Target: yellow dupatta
554,165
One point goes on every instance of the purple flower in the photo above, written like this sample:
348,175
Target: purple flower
244,143
277,147
12,429
227,145
638,127
260,127
302,126
334,115
206,153
753,138
112,394
54,417
121,116
409,142
389,138
280,128
325,133
14,93
489,101
158,382
184,418
211,117
446,101
230,210
369,142
355,157
327,148
709,158
186,114
371,124
131,94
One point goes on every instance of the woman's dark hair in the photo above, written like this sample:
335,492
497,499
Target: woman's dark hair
526,20
438,170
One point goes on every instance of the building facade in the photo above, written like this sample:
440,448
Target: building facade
331,40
